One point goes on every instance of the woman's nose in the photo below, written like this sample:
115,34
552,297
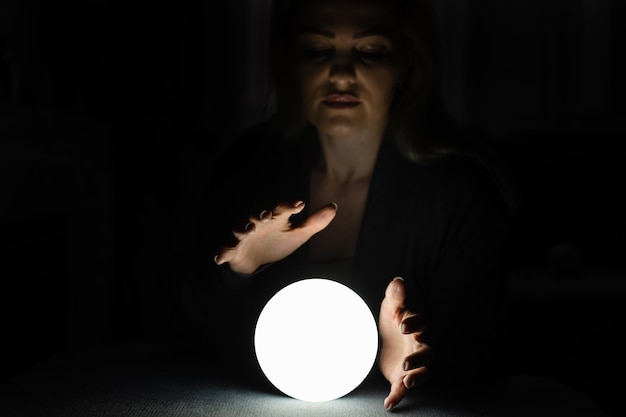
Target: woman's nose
342,72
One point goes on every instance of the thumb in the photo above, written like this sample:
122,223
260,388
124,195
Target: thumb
321,218
394,294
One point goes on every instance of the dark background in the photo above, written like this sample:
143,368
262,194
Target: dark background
110,113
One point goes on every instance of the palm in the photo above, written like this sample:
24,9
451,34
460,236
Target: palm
396,346
400,330
274,238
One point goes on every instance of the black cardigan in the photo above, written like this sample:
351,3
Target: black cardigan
441,225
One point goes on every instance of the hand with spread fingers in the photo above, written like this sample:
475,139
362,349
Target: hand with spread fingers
270,236
403,357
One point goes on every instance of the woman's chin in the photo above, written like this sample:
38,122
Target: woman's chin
340,127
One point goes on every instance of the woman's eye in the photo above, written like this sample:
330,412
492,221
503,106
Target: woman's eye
317,53
371,55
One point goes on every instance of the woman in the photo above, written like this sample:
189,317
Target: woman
357,177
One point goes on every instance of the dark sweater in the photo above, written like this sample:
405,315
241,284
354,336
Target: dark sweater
441,225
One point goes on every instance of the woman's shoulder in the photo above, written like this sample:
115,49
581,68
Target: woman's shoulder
473,162
482,163
456,178
456,169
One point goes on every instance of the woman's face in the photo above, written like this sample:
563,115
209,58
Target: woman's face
347,65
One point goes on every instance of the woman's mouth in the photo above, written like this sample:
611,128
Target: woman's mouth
341,101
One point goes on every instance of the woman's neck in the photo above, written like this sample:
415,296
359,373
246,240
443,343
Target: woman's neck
344,179
349,159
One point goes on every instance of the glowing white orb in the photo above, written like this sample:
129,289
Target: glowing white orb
316,340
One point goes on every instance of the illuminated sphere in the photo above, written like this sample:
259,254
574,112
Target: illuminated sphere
316,340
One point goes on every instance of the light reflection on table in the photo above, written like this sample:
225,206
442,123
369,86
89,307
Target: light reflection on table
138,381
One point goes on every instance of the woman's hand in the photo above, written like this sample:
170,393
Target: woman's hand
403,357
269,236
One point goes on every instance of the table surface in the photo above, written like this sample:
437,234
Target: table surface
143,381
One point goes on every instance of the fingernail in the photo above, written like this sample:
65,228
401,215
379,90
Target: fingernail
397,290
298,204
410,384
336,205
389,406
265,215
406,365
215,258
248,226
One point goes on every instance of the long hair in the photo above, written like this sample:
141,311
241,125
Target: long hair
418,118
